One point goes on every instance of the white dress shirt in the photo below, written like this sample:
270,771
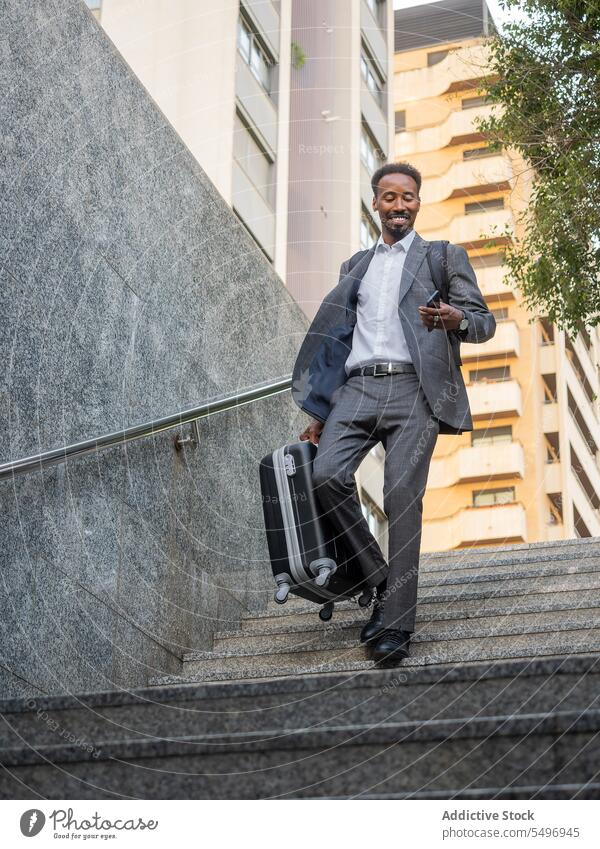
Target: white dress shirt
378,334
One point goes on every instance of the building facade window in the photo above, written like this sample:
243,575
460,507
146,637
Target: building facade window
368,230
371,76
254,54
484,206
253,159
492,435
489,375
474,102
489,497
480,152
370,153
500,313
400,120
487,260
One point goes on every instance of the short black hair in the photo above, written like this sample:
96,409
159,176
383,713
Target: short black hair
396,168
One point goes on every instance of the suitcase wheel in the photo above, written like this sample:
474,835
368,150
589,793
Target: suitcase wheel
322,579
365,598
326,612
281,593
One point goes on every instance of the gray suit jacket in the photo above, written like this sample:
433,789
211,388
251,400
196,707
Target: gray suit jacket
319,368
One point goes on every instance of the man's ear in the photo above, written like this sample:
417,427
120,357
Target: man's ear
374,204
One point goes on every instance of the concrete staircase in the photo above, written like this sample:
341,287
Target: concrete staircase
500,698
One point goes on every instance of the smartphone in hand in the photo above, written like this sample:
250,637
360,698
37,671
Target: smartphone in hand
433,301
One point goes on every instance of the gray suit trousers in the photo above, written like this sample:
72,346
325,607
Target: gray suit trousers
365,411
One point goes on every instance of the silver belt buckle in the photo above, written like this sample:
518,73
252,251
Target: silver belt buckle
379,373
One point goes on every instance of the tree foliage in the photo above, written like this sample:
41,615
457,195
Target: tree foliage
545,77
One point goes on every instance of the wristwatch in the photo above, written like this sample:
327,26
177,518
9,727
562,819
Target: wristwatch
463,327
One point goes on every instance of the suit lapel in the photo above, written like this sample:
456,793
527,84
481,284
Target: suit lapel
412,263
347,288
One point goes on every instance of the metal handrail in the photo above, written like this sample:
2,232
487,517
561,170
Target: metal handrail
130,434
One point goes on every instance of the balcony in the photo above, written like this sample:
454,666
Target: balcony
266,17
584,453
496,399
589,514
458,128
553,478
586,408
547,359
550,418
257,103
471,177
586,358
500,524
492,284
252,208
477,463
461,69
371,29
504,344
472,231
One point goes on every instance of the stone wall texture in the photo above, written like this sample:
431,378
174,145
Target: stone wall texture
128,291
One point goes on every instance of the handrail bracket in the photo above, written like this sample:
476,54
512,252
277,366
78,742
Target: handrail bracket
191,440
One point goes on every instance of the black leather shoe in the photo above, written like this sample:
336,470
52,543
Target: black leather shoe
392,647
374,627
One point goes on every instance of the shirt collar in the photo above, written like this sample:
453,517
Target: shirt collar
401,244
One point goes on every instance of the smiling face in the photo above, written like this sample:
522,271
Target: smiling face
397,203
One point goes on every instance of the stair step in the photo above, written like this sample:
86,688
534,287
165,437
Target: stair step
387,758
378,695
502,561
325,641
355,658
502,572
492,588
589,790
340,631
532,603
555,550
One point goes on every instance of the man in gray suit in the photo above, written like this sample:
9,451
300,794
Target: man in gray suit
380,365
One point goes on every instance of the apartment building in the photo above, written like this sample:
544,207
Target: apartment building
340,132
530,470
288,108
221,74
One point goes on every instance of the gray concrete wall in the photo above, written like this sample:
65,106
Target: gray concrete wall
127,291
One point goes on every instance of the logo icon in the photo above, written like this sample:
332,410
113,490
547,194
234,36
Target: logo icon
301,387
32,822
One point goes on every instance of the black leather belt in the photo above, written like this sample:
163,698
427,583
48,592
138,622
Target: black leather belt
381,369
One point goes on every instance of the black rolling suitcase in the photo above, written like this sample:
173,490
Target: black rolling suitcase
306,557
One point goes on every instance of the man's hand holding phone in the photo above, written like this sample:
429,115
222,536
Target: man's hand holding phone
436,315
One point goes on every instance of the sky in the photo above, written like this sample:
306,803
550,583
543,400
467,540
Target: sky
493,5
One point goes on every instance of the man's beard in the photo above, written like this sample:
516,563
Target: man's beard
398,231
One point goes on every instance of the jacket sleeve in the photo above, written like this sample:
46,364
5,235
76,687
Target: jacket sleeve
310,343
465,295
343,269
